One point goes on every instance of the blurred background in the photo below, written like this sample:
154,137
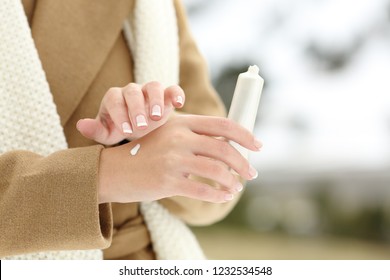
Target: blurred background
323,190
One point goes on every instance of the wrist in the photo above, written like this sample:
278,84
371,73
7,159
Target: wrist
104,174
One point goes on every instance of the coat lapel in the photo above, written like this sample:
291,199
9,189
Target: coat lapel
73,39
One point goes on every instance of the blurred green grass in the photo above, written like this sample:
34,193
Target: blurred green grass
223,242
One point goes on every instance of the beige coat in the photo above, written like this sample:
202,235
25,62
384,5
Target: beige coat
50,203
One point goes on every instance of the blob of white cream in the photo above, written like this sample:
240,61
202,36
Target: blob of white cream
135,149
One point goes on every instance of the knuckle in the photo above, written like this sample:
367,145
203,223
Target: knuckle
181,121
225,124
131,90
153,85
113,98
224,148
217,170
112,93
177,137
154,90
202,190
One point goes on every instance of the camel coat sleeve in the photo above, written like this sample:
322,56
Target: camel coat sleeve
50,203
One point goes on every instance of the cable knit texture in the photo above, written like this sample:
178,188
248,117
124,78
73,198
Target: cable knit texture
171,238
24,90
153,40
29,120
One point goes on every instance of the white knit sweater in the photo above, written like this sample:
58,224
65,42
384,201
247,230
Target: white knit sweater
26,102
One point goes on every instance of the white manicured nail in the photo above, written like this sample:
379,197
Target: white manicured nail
179,100
141,121
253,172
258,144
156,111
126,128
239,187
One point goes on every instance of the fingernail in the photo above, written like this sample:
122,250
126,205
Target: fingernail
239,187
253,172
228,197
179,100
126,128
141,121
258,144
156,111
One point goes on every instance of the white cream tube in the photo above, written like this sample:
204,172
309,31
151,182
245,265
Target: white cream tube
245,102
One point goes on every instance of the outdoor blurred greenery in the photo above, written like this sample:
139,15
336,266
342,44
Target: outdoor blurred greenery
335,234
323,190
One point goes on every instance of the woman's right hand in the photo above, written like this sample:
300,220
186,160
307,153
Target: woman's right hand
185,145
131,112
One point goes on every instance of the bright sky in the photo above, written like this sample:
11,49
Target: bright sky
346,113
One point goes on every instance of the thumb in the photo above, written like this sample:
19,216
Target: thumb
92,129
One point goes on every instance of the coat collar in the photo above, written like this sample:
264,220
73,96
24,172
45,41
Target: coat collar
73,39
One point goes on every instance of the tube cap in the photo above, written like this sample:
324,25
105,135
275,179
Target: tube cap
253,69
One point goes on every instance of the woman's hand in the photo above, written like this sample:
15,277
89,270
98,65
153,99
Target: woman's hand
185,145
131,112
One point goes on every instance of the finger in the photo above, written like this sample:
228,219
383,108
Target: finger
135,101
202,191
115,106
155,96
218,126
213,170
175,95
223,151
